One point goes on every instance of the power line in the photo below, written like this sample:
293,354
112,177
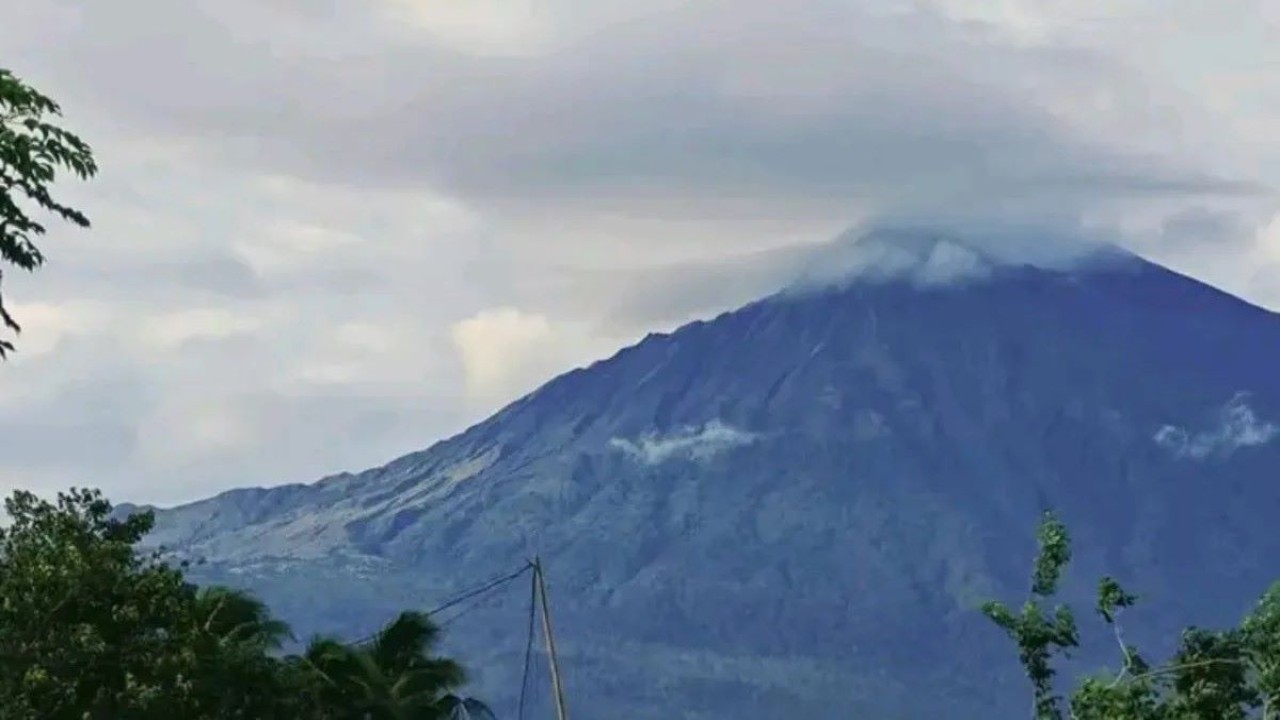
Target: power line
461,598
483,588
480,600
526,690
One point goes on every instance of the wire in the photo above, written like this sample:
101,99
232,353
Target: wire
528,646
482,600
482,589
461,598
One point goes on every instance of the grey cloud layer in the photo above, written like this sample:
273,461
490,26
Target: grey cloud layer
302,201
705,102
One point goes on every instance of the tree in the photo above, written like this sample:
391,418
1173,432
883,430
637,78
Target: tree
235,638
90,628
1260,644
82,618
1037,632
394,676
1214,675
234,616
33,151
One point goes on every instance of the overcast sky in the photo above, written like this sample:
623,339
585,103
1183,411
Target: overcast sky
330,232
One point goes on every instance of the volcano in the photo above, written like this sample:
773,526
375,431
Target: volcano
794,509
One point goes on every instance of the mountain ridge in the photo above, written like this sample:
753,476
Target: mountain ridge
1108,257
797,504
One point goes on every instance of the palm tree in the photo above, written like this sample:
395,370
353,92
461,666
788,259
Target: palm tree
232,636
394,676
235,616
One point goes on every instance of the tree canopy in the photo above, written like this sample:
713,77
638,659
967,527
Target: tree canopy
93,628
33,152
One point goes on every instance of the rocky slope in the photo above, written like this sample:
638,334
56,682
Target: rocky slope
792,510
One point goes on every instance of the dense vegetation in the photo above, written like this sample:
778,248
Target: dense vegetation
93,628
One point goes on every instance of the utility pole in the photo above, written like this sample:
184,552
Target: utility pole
557,688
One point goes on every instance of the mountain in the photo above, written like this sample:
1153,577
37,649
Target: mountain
792,510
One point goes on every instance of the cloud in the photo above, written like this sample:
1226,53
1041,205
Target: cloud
692,443
925,257
1202,226
171,330
720,122
481,27
302,204
1237,427
214,339
49,324
495,345
506,352
683,109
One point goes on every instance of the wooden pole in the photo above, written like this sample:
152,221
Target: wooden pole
556,686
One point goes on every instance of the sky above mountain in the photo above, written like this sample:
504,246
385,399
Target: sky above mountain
329,233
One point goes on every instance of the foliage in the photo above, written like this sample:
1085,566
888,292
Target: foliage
393,676
1214,675
1037,632
32,153
91,628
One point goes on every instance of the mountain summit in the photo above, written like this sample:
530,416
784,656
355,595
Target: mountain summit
794,509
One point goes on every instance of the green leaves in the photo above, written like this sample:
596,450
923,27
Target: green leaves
91,628
1112,598
394,675
1037,632
1055,553
1212,676
233,616
80,609
1260,638
32,153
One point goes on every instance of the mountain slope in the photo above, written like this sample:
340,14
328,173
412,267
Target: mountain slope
793,509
